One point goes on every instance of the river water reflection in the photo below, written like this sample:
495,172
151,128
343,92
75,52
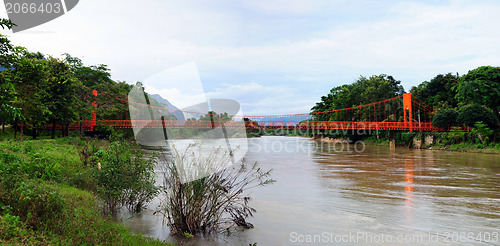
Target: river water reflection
326,194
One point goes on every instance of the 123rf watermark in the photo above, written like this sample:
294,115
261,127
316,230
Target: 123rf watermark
370,238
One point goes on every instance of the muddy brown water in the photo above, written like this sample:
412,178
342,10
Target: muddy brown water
360,195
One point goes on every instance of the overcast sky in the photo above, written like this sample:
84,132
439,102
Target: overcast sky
275,56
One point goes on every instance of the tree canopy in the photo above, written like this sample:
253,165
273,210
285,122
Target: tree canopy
38,90
481,86
438,92
362,91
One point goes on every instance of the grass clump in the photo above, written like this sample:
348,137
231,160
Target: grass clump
212,203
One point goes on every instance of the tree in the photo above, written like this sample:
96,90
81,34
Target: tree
472,113
61,100
481,86
98,78
445,118
8,112
363,91
438,92
6,23
29,76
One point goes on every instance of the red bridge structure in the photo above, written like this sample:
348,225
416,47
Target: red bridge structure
401,113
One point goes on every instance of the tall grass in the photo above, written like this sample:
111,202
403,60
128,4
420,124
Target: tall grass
215,202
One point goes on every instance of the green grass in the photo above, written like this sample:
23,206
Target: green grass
471,147
77,222
46,197
374,140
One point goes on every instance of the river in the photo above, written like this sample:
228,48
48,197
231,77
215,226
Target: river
361,195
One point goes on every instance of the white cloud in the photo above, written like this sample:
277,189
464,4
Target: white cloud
301,49
257,99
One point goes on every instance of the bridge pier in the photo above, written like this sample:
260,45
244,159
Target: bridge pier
392,140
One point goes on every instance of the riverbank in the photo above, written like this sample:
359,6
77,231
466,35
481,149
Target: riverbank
47,197
440,141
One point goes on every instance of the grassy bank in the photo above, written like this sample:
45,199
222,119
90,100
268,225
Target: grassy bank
47,197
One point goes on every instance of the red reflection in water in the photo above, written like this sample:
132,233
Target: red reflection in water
408,181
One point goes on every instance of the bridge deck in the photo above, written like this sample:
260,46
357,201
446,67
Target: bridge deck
335,125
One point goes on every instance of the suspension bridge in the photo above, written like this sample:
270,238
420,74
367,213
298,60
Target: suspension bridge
401,113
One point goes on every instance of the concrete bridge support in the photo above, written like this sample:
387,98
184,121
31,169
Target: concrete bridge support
392,140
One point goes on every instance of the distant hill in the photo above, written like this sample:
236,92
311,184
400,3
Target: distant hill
166,104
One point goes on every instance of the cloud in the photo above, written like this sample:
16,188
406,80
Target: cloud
300,49
258,99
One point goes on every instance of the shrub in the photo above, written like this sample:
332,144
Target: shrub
482,132
472,113
445,118
34,201
103,131
87,152
124,176
10,227
216,200
456,135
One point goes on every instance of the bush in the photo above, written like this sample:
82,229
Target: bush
216,200
445,118
35,165
87,152
34,201
103,131
124,176
10,227
482,132
472,113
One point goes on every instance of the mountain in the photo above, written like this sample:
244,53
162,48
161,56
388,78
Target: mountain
173,110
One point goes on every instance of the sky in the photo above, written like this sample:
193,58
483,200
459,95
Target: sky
274,57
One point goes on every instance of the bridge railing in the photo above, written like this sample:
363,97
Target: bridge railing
403,126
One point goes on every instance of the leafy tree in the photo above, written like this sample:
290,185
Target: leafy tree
470,114
481,86
98,78
30,79
363,91
8,112
61,98
445,118
438,92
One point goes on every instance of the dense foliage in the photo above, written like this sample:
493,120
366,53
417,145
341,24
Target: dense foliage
438,92
40,91
124,176
481,86
40,203
362,91
471,100
472,113
445,118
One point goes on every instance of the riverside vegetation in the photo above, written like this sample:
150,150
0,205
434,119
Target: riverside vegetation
66,190
471,100
61,191
214,202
